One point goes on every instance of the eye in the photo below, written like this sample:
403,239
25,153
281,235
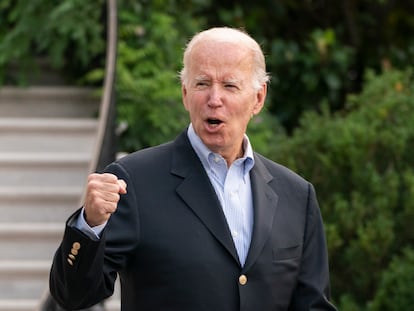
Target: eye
201,84
231,86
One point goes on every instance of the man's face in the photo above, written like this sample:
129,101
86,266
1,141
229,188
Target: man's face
220,97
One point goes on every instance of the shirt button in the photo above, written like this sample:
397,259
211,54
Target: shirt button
243,279
234,234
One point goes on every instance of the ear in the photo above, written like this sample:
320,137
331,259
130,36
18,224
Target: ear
184,96
260,99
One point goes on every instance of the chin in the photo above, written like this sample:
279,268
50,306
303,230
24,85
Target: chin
214,146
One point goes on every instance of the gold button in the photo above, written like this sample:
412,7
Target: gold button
70,261
72,257
242,279
74,251
76,245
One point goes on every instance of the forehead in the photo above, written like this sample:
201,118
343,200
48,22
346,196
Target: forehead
220,58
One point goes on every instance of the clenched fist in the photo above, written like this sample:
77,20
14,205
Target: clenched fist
102,196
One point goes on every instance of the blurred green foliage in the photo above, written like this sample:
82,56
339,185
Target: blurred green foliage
307,74
70,34
149,59
396,284
360,161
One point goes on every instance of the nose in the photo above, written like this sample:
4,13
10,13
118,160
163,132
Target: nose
214,96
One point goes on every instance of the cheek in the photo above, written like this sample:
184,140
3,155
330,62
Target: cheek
245,112
192,108
187,100
194,102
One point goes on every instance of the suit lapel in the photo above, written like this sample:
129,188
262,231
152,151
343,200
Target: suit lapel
264,205
198,193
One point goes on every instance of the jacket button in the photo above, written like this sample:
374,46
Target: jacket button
243,279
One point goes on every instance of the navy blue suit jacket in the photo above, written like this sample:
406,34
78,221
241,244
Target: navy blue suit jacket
170,243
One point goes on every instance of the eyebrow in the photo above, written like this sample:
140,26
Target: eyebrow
233,81
201,78
206,78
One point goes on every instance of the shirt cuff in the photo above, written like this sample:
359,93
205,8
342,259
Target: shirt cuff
93,232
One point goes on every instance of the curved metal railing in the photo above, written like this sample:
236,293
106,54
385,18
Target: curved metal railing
103,151
104,139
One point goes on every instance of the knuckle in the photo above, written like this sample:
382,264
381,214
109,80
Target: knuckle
109,177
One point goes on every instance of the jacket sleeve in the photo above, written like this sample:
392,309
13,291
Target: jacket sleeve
84,270
313,289
76,278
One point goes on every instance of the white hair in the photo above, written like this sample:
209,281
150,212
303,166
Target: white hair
229,35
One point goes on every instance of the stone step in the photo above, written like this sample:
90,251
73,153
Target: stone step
23,279
38,204
31,273
49,102
33,304
29,241
42,135
19,304
112,304
47,170
47,138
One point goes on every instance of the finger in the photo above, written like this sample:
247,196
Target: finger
122,186
112,197
108,207
97,185
105,177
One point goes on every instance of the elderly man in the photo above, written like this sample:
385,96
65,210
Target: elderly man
203,222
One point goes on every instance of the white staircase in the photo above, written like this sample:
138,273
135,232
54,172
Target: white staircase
47,137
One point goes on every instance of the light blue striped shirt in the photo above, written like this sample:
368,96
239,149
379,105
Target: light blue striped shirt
233,189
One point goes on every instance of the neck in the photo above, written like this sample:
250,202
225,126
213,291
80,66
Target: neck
238,155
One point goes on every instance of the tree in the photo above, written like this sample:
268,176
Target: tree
69,34
360,161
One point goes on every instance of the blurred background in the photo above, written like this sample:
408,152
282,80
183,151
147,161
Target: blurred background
340,108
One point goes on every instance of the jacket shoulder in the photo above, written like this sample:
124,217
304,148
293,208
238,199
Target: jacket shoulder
147,156
279,171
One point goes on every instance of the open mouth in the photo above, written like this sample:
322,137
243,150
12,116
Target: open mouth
214,121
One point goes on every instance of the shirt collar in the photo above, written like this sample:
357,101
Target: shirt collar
204,153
